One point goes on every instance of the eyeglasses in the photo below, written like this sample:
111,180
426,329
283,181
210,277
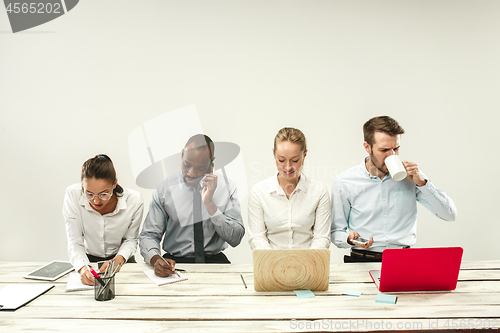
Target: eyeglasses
102,196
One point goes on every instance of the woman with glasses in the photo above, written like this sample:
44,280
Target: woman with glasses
102,218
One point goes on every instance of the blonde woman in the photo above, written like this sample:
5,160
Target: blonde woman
289,210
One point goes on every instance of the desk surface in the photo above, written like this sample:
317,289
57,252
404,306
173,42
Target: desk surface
215,299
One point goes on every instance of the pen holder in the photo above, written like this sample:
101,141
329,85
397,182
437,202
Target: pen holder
104,292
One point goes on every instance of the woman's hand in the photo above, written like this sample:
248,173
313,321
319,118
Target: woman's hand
119,262
86,276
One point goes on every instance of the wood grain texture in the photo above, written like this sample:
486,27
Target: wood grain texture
281,270
214,299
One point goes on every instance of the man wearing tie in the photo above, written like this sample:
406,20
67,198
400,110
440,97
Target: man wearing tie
196,212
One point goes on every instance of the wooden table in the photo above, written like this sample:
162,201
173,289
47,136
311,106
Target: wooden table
214,299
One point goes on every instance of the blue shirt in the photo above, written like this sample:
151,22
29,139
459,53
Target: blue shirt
383,209
170,217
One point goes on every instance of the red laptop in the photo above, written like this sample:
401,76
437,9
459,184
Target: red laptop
419,269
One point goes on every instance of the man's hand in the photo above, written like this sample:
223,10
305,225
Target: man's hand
351,239
209,184
413,173
161,268
86,276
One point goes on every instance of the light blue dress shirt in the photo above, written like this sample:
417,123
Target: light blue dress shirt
170,217
383,209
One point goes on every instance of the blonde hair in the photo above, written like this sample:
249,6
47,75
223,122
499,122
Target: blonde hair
293,135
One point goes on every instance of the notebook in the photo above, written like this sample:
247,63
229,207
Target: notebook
165,280
75,283
425,269
297,269
13,296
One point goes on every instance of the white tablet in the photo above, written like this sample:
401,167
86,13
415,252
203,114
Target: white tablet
50,272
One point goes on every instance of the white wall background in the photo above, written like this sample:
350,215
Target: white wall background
78,85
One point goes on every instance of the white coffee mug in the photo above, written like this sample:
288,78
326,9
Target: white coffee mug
396,168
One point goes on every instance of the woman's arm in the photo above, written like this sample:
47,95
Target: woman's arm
256,225
323,223
74,229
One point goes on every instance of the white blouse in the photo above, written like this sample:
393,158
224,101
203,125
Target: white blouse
276,222
101,235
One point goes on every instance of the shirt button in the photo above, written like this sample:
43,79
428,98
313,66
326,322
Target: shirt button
385,215
383,199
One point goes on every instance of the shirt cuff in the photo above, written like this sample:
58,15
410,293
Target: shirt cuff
216,217
151,253
428,187
125,254
340,240
79,264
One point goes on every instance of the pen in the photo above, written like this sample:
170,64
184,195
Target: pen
166,262
114,271
95,275
242,279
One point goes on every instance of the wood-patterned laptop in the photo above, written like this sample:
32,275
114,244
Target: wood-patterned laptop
298,269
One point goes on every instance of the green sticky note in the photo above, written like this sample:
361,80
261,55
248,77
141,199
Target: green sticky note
304,293
386,298
352,293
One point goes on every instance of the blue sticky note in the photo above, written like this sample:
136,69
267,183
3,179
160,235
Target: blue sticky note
386,298
352,293
304,293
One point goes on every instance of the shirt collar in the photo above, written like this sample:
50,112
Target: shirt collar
365,172
275,185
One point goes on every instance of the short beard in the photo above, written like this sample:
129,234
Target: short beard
375,165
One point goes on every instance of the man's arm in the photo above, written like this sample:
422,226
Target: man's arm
438,202
429,195
153,229
340,215
227,220
228,223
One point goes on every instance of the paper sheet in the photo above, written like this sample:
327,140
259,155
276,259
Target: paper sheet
304,293
352,293
386,298
75,283
164,280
